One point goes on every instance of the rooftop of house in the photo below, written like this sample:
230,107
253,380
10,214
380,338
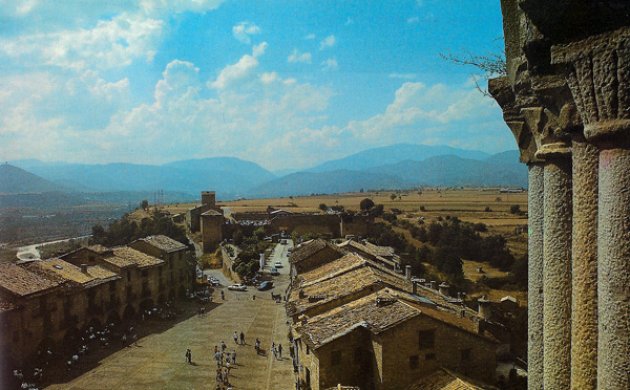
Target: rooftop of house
100,249
164,243
342,264
93,274
383,254
341,283
213,213
22,282
125,256
443,379
310,248
375,312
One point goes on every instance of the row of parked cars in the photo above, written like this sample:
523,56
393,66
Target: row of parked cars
266,285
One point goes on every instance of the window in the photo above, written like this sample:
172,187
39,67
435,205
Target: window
429,356
465,354
335,358
414,362
426,339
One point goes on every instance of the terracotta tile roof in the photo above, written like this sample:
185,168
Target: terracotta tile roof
363,313
381,254
164,243
21,281
443,379
125,256
341,284
310,248
351,260
94,274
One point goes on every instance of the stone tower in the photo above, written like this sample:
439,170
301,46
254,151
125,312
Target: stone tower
208,198
211,230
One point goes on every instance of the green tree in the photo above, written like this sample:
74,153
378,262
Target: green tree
144,205
393,196
323,207
515,209
366,204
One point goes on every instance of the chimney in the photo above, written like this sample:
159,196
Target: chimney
434,285
84,268
444,288
485,310
408,272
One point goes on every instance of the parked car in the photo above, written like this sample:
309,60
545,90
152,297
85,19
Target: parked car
213,281
274,272
278,264
266,285
237,287
284,242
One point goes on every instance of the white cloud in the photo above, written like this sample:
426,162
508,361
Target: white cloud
402,76
310,37
413,20
330,64
296,57
243,31
110,44
269,78
327,42
243,68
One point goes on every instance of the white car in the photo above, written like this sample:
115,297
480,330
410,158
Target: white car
237,287
278,264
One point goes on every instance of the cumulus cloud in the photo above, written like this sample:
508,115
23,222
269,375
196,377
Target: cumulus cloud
330,64
296,57
244,30
327,42
310,37
243,68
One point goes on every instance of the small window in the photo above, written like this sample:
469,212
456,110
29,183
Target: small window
414,362
426,339
429,356
335,358
465,354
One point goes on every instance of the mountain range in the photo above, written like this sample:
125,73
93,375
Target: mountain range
392,167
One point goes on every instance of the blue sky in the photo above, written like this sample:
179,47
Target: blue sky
286,84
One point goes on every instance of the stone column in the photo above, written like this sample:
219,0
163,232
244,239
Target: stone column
584,264
502,90
598,73
556,247
535,218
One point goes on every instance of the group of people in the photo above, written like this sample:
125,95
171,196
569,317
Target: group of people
225,360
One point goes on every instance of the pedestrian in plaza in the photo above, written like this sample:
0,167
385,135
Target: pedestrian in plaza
273,349
242,338
223,346
234,357
235,337
189,356
280,351
222,295
217,357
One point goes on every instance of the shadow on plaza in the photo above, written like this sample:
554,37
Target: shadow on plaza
57,371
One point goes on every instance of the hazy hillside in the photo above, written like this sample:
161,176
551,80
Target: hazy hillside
456,171
14,180
306,183
228,176
394,154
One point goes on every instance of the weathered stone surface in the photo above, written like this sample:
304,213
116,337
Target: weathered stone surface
557,273
584,266
535,221
614,270
598,73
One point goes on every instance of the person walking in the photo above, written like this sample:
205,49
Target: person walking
273,349
242,338
188,356
222,295
235,337
280,351
234,357
223,346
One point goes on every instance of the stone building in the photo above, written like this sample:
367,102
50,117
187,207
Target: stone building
566,99
193,216
49,303
383,255
312,254
212,223
389,340
26,302
179,267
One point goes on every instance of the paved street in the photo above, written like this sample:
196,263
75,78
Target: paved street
158,361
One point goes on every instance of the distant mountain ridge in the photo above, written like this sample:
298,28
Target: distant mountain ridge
392,167
14,180
393,154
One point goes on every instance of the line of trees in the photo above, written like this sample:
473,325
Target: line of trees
124,230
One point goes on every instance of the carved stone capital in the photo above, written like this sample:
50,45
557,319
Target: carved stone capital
501,89
551,141
598,73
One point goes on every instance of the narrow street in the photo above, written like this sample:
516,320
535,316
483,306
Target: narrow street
158,361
